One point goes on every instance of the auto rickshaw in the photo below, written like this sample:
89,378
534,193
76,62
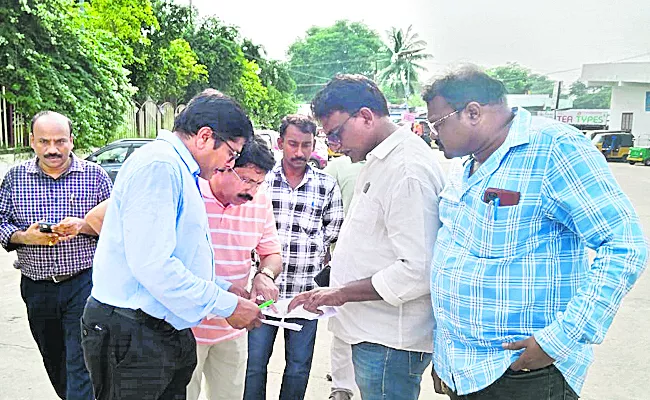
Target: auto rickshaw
614,146
639,154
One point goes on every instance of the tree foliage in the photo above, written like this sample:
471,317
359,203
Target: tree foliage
345,47
590,97
520,80
89,60
407,50
48,60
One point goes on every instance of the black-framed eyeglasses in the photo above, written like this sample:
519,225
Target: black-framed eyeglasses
247,181
234,154
432,125
334,136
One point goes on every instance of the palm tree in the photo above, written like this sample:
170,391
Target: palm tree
406,49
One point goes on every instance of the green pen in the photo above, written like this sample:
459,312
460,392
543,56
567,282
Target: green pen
266,304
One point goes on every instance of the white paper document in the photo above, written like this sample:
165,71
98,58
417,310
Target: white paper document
298,312
282,324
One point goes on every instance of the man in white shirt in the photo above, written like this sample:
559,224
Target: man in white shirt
381,264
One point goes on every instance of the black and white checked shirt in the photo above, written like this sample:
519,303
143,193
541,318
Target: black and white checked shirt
28,195
308,219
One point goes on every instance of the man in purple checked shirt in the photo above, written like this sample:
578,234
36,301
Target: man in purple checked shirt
54,187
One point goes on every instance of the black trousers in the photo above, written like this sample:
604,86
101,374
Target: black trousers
133,356
542,384
53,312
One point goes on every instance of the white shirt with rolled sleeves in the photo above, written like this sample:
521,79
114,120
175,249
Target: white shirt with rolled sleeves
389,234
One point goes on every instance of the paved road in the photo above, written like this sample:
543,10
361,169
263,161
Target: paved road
619,372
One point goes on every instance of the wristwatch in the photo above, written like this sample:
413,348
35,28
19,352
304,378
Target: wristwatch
266,271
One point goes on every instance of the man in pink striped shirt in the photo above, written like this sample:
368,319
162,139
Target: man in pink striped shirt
241,220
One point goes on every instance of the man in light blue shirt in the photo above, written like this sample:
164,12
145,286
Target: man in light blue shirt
518,305
153,271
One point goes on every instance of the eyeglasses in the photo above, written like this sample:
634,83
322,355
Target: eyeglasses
247,181
334,136
234,154
432,125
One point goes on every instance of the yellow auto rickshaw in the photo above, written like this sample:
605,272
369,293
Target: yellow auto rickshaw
614,146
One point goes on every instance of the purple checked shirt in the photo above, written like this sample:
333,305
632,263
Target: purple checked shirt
28,195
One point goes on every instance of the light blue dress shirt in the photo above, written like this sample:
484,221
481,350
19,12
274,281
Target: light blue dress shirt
154,251
504,273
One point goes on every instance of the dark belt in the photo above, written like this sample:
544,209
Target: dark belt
134,315
62,278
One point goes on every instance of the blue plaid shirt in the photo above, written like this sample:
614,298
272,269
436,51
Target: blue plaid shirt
28,195
520,270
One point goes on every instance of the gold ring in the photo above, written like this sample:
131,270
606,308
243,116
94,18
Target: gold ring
51,243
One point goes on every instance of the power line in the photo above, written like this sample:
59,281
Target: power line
341,62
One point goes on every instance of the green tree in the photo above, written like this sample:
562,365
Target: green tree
275,76
345,47
520,80
590,97
152,36
179,68
217,47
130,21
51,60
401,75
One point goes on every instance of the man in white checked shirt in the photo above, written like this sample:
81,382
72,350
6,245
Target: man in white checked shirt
308,212
518,305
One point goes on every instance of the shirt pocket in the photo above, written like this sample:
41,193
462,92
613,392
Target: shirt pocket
363,217
498,232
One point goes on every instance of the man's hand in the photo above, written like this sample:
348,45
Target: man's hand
313,299
437,382
239,291
264,287
33,236
532,358
246,315
69,227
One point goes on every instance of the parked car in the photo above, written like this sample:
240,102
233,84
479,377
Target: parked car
112,156
318,158
639,154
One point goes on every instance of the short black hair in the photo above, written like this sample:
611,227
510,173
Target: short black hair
349,93
48,112
465,85
303,122
217,111
257,153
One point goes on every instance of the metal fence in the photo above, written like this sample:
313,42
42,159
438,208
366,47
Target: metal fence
143,120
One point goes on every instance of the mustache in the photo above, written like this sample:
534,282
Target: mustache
53,155
299,159
245,196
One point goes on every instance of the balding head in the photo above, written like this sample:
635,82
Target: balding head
52,141
52,118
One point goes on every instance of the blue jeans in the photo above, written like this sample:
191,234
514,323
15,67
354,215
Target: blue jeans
385,373
298,353
54,313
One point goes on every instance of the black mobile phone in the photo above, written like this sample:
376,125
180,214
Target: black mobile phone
45,227
322,279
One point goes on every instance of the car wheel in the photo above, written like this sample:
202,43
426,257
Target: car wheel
313,163
632,162
647,162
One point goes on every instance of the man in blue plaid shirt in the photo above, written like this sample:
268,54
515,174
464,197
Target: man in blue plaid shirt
55,187
517,303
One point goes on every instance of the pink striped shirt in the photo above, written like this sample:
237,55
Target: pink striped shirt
235,232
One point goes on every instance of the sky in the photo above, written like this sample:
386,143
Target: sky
553,37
